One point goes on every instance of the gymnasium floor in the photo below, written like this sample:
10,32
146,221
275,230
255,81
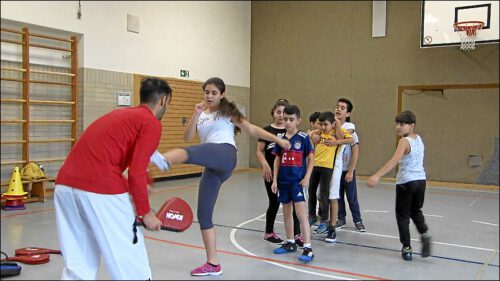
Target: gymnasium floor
463,224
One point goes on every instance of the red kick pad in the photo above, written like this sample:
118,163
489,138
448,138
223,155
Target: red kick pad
175,215
35,251
31,259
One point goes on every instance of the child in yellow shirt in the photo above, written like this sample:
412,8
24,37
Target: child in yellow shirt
324,156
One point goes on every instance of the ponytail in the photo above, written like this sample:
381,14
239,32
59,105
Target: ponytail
229,109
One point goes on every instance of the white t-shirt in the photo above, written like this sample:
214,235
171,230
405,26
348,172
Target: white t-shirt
213,128
346,157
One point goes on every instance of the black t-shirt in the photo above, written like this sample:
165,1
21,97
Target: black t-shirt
268,148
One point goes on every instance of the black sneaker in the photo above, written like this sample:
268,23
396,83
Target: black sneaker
299,240
360,227
426,245
273,238
331,237
288,247
340,223
406,253
307,255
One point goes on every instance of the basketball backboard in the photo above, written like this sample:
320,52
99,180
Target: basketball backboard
438,18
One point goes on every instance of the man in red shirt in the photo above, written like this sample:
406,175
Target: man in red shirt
94,210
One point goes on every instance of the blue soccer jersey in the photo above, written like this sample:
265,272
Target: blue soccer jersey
293,164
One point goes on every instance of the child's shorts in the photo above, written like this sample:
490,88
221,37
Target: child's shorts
334,188
290,192
337,175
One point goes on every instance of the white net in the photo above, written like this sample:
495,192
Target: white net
468,33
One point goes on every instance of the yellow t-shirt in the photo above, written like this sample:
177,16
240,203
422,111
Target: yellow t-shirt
323,154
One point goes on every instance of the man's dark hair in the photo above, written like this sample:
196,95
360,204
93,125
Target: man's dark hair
315,116
153,89
292,109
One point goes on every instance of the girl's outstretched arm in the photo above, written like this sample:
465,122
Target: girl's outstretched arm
258,132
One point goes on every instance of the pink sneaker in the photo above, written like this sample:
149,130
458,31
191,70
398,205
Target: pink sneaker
207,269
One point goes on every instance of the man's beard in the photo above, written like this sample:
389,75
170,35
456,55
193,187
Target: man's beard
160,113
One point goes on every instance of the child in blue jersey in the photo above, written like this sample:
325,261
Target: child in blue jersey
292,171
410,183
266,158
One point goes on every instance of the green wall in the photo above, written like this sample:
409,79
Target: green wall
313,53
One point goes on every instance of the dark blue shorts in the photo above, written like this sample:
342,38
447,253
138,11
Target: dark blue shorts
290,192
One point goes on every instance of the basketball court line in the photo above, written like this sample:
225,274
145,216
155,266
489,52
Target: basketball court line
241,248
487,223
280,222
281,262
28,213
436,216
239,227
475,200
414,239
396,237
481,271
364,233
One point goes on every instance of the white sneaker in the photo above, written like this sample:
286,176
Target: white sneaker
159,160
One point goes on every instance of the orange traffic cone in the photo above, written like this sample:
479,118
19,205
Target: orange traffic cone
15,194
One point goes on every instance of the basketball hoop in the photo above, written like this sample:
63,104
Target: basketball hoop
468,31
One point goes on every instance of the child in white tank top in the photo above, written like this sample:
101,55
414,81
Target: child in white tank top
410,183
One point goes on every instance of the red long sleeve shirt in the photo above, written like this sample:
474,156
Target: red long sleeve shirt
120,139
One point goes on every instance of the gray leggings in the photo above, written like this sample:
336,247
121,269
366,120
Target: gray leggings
219,160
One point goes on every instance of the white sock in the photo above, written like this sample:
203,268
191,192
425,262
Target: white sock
160,161
308,245
290,240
